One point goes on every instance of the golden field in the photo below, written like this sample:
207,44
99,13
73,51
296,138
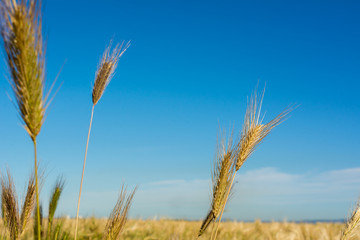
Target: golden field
92,229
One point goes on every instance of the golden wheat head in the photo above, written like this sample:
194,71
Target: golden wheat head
14,221
352,223
106,70
254,131
118,216
10,206
23,44
28,204
54,200
221,181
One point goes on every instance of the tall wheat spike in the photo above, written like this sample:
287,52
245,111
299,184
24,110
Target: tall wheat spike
54,200
221,179
104,73
106,69
118,216
28,204
352,223
23,43
10,206
14,221
253,132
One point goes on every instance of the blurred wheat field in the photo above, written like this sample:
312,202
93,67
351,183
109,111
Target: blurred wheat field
92,229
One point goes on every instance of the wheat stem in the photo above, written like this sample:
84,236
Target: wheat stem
82,176
212,231
37,192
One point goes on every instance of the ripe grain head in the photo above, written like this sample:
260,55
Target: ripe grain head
254,131
28,204
54,198
9,206
221,180
352,223
23,44
106,70
118,216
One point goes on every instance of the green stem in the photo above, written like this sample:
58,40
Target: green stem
82,176
48,234
37,193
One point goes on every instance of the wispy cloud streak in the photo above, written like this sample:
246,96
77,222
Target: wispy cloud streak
265,193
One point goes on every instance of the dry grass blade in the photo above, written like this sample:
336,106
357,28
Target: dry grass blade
221,180
23,44
118,217
28,205
10,206
106,70
254,131
352,223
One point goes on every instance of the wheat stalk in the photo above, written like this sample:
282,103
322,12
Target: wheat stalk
253,132
38,225
118,216
103,77
21,33
23,44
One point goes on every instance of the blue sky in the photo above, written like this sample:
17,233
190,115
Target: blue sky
190,68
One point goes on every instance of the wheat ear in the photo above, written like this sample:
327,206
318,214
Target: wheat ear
10,206
54,200
103,76
221,178
106,69
118,216
23,44
13,221
253,132
28,204
352,223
